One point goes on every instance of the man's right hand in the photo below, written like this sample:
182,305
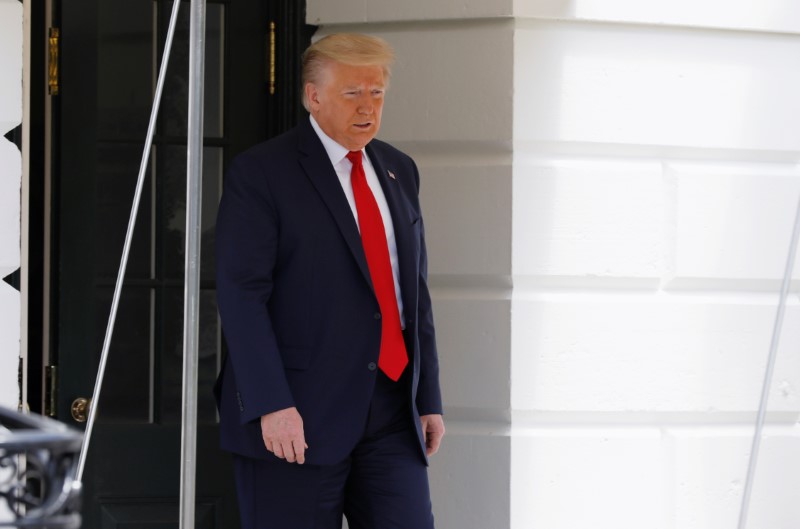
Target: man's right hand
282,432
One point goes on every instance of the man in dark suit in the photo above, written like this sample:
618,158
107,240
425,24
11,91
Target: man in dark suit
329,398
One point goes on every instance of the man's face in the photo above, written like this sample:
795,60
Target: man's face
347,103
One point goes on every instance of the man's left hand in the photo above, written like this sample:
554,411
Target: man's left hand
432,431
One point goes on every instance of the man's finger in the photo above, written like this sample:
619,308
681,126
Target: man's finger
278,450
434,444
299,451
288,452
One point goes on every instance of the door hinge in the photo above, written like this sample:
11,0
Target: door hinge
53,83
272,62
22,406
51,391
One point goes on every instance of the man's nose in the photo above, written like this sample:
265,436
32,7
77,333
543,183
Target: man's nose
366,106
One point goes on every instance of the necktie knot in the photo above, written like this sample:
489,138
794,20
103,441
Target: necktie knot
354,157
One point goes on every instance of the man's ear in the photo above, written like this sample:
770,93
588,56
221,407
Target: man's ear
312,95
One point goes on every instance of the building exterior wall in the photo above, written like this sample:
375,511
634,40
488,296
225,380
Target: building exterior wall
609,189
655,186
10,185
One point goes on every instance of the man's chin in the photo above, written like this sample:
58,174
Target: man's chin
359,141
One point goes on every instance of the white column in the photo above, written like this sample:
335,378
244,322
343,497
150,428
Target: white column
10,181
655,181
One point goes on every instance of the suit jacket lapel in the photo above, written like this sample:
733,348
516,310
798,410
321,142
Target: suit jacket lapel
322,175
403,231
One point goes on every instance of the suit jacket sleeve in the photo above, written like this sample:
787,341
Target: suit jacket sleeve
429,395
246,245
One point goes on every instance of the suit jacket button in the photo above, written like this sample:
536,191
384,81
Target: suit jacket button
372,366
377,315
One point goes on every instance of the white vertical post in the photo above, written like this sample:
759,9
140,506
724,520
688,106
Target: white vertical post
25,220
191,310
767,385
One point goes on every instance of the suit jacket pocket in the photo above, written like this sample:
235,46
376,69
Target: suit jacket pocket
416,231
296,357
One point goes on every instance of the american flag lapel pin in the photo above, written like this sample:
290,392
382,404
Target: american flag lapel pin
391,175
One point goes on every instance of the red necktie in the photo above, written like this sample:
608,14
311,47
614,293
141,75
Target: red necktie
393,357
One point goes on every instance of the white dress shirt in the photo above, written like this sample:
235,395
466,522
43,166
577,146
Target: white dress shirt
343,167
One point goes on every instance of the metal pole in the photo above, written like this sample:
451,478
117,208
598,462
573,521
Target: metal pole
112,317
191,309
773,353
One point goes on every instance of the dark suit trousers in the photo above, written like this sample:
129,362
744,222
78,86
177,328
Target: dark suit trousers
383,484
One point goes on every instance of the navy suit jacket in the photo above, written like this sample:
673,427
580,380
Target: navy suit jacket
298,311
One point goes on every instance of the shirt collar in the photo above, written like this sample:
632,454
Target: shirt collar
335,151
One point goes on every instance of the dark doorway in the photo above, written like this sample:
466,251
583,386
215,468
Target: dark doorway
110,50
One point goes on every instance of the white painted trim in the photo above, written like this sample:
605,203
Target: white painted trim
25,197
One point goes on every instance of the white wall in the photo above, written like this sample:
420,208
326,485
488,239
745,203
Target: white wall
10,181
655,185
609,188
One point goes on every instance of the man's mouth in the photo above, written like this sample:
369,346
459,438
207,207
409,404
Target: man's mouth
363,125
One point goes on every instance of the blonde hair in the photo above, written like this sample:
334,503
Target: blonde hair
353,49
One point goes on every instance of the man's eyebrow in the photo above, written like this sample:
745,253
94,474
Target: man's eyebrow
358,87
